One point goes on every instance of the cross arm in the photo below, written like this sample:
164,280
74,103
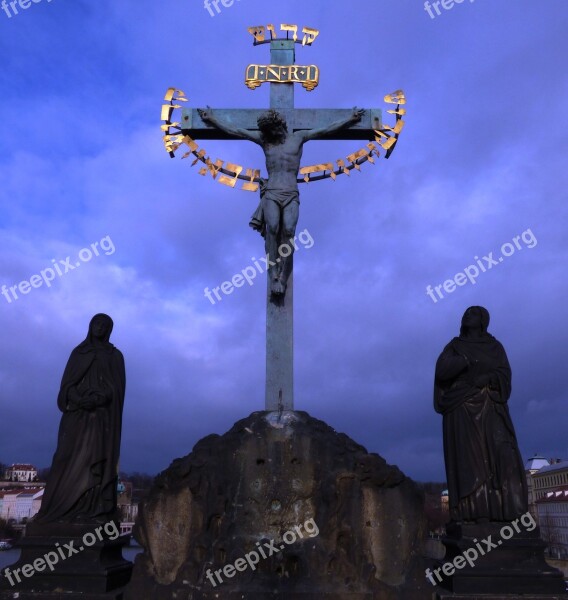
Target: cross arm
228,126
298,119
317,133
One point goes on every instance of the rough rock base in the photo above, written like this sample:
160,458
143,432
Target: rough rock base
270,477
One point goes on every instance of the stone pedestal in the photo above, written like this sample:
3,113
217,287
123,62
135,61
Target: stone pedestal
84,565
499,567
344,524
30,595
451,596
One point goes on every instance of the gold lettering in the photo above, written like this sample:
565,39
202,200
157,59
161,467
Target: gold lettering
307,170
294,73
252,80
397,97
214,168
273,70
397,128
373,150
310,36
167,126
172,92
167,110
400,111
341,165
199,156
256,75
231,182
294,28
258,32
312,78
191,143
250,186
355,156
329,167
387,144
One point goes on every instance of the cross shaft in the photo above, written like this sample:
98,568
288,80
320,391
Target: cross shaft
279,390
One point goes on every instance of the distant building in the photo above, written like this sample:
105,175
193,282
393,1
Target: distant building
28,502
548,501
553,517
128,510
21,472
9,505
532,466
21,504
550,478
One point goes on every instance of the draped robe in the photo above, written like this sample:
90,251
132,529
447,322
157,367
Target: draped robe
486,478
81,486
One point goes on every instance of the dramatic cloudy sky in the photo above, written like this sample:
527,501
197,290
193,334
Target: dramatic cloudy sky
481,160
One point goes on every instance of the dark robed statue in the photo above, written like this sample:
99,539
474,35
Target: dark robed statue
277,215
81,486
486,478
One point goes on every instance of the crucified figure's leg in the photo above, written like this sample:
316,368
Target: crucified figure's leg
290,216
272,218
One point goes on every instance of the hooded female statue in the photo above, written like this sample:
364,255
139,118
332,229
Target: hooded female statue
486,478
81,486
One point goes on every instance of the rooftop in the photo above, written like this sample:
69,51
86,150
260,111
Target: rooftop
536,463
559,466
22,467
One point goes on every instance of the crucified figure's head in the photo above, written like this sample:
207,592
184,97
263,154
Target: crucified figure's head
272,126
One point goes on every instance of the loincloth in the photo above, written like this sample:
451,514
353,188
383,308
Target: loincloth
280,197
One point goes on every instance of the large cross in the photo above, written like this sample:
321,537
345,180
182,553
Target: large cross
279,392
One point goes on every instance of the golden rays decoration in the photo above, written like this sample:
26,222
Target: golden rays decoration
229,174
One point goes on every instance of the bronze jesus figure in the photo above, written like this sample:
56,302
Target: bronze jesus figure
277,215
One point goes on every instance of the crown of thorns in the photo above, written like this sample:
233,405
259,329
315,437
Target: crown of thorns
271,119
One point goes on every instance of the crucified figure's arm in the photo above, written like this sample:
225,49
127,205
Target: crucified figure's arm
208,117
312,134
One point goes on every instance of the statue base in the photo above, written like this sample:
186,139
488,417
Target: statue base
116,595
285,596
452,596
318,517
500,568
82,564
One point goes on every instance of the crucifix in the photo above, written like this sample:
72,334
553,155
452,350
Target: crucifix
281,132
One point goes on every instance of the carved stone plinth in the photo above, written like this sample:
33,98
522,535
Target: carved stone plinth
114,595
515,566
262,482
87,567
451,596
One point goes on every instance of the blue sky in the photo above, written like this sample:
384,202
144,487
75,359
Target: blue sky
481,160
